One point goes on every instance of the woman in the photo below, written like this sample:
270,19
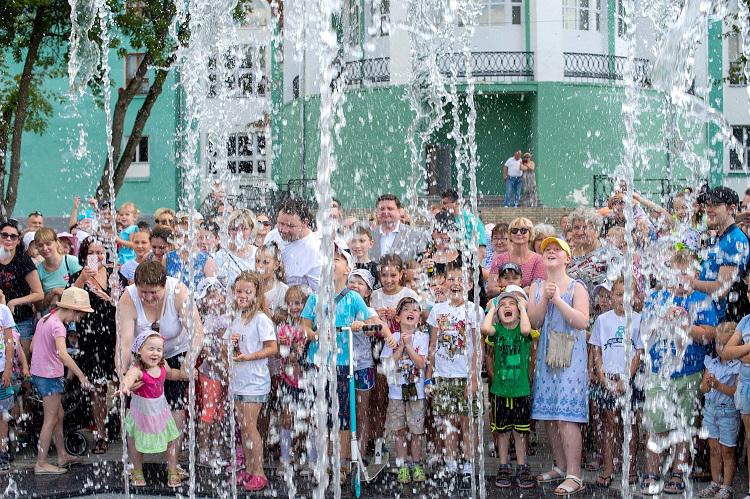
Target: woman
55,270
178,261
589,258
97,333
240,255
559,307
541,232
263,228
528,181
521,232
165,217
159,303
20,282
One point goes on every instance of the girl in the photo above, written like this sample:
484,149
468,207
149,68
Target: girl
559,306
253,341
47,370
385,299
127,216
142,247
56,269
212,372
240,255
271,272
149,423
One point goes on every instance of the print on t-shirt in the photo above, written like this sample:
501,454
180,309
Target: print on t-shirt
452,339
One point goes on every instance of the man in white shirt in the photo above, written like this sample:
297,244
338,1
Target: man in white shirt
391,236
512,174
300,246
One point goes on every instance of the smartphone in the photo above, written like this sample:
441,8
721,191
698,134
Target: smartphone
92,262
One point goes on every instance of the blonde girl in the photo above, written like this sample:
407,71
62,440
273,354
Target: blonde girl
270,269
391,275
253,341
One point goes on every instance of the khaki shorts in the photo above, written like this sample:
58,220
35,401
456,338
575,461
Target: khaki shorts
409,414
450,398
671,404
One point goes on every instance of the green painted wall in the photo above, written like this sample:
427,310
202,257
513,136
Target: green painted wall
716,97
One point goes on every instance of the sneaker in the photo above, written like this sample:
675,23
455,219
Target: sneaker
725,492
418,474
465,481
711,491
524,478
403,475
504,474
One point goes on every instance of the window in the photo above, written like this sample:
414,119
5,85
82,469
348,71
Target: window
132,61
582,15
622,28
295,87
381,16
734,57
738,158
140,155
246,154
351,28
500,12
244,72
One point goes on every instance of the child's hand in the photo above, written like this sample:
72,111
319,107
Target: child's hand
551,291
357,325
122,391
26,373
390,341
2,297
406,338
86,384
235,338
521,302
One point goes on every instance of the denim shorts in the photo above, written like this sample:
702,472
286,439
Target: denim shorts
742,396
48,386
25,329
722,422
251,399
364,379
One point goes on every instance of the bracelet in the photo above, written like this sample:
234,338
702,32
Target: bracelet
428,382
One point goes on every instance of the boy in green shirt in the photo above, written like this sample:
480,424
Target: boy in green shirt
508,323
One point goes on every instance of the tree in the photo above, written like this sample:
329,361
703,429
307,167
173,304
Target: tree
34,34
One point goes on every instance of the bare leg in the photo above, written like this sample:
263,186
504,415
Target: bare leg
728,460
520,441
51,404
653,460
555,441
609,435
716,465
416,448
252,441
136,458
503,445
99,411
570,436
401,446
468,430
172,456
363,426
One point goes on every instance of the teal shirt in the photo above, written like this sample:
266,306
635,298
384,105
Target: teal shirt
473,223
60,278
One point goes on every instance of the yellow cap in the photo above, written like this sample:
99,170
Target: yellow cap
552,239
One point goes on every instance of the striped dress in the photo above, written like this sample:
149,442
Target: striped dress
149,421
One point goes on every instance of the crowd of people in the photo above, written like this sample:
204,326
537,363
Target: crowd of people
573,327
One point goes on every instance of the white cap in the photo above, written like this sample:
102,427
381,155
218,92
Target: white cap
27,238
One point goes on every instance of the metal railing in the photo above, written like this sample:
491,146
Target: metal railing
367,71
588,67
511,66
265,198
658,190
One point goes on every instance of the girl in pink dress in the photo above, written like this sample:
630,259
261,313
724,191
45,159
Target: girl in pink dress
149,423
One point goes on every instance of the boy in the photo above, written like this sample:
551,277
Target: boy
508,324
453,364
721,419
127,216
360,244
351,311
406,405
676,317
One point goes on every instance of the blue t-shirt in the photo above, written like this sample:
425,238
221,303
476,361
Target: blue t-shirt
348,309
703,313
726,373
125,254
730,250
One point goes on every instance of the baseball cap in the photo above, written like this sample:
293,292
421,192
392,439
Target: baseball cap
509,266
365,275
720,195
515,290
556,240
341,248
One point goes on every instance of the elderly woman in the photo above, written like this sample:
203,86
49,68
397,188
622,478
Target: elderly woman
521,233
159,303
541,232
589,258
240,255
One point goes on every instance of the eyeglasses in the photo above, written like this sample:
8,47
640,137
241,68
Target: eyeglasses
9,236
519,230
500,238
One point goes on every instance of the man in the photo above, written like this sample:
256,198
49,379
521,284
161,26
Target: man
391,236
35,221
512,174
300,246
472,223
725,263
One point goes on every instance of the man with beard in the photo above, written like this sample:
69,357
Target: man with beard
725,261
300,246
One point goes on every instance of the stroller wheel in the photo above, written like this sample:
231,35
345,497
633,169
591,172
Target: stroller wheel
76,443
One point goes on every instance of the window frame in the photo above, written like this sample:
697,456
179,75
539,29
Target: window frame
258,157
582,15
243,63
130,71
380,12
136,159
734,155
507,7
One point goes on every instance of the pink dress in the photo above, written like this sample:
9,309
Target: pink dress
149,421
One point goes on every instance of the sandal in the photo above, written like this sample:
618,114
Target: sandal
100,447
256,483
595,464
604,481
650,484
568,490
553,475
174,479
675,485
137,479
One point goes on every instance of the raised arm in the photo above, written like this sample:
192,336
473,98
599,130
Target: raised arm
537,309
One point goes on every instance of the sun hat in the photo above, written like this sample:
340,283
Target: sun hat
75,299
141,339
365,275
556,240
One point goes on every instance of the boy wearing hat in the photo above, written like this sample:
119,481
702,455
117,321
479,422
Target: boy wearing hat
508,324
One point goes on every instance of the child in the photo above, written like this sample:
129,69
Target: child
406,406
613,373
508,325
47,370
127,216
720,417
691,318
453,364
391,275
270,269
411,275
149,423
253,338
142,248
360,244
6,390
213,371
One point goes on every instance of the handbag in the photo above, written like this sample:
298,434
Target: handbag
559,349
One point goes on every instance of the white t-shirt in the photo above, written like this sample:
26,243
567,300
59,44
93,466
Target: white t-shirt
514,167
275,296
302,259
609,330
251,377
6,321
455,342
379,299
387,239
229,265
406,371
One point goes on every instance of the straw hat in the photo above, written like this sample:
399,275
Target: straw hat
75,299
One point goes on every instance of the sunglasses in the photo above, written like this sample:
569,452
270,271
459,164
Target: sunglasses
265,223
166,221
36,214
9,236
519,230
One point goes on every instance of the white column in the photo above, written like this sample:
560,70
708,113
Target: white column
399,49
547,39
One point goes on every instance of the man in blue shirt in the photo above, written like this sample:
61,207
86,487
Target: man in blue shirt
471,222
